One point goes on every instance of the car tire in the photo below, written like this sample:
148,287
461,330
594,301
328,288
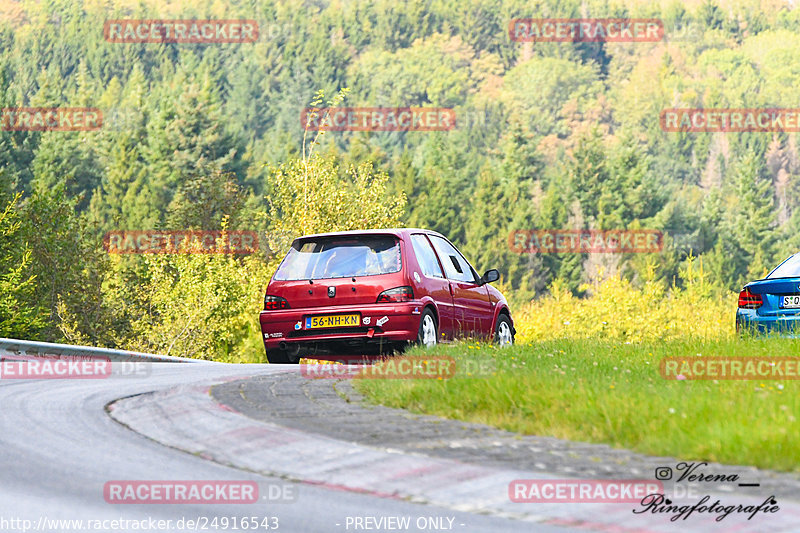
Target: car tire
428,335
504,332
280,357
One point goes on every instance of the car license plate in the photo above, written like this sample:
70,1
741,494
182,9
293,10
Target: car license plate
332,321
791,302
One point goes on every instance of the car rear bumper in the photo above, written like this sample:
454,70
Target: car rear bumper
378,324
749,321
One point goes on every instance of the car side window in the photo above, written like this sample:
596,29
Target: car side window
426,257
455,266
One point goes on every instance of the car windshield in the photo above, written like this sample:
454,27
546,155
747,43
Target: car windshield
788,269
340,257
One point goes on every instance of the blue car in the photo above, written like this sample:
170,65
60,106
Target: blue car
772,304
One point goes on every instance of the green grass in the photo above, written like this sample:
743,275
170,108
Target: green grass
612,392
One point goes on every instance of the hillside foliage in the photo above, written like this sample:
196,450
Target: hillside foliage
548,135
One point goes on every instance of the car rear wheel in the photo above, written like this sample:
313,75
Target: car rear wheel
504,332
281,357
428,332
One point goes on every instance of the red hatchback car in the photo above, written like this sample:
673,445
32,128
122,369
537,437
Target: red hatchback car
376,291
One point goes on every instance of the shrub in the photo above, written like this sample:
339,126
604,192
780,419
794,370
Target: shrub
617,310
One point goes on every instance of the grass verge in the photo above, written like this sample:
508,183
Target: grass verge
612,392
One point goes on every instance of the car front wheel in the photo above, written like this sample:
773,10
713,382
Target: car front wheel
428,335
504,332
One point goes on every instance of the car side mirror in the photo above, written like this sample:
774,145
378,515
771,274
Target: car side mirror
489,276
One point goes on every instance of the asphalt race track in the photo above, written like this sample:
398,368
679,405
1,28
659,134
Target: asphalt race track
60,447
64,441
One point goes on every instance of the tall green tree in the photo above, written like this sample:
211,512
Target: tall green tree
22,316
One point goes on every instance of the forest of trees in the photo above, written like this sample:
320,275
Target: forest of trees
548,135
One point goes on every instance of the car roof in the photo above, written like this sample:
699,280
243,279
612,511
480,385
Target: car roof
398,232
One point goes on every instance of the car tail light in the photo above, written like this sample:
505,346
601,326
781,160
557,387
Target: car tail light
398,294
748,300
273,303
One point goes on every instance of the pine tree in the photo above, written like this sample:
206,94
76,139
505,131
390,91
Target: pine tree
754,215
588,174
746,236
186,140
113,205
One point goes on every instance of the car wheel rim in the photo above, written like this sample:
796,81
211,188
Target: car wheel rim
504,334
428,331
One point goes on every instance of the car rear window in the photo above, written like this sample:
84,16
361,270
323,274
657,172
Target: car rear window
788,269
340,257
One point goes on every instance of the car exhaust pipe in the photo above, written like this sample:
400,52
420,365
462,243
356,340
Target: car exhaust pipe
291,349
